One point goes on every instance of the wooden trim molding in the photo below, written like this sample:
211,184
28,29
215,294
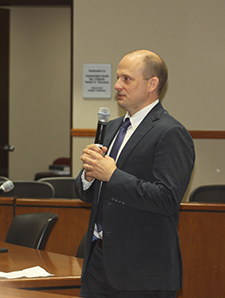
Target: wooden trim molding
83,132
196,134
210,134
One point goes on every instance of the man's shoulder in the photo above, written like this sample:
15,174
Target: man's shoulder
165,117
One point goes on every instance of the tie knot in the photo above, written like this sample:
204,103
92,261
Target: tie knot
126,123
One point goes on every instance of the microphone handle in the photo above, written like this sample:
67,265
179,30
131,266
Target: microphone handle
100,134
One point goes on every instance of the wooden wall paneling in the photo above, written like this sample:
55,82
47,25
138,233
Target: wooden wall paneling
202,239
6,215
70,227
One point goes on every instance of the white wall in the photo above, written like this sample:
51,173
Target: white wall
189,37
40,40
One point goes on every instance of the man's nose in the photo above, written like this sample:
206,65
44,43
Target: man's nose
117,85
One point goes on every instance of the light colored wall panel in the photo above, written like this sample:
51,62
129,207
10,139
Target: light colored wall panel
39,88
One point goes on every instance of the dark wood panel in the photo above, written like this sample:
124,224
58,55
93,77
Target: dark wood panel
4,89
202,239
6,216
70,227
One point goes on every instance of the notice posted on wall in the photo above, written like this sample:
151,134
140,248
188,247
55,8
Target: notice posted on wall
97,80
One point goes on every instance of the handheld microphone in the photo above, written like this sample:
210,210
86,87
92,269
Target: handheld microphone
6,186
103,117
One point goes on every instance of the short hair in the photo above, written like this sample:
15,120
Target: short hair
154,66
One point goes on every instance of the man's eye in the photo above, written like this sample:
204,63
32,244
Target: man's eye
124,78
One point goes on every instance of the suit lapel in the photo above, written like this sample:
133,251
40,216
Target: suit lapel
145,126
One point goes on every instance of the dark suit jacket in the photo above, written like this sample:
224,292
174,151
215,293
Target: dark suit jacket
141,204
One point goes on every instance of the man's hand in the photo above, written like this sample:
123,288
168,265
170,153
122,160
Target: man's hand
96,164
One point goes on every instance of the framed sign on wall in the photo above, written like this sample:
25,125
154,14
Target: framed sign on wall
97,80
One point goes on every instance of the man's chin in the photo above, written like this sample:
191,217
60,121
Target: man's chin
120,103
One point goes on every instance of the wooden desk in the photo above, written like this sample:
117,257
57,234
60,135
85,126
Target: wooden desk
6,292
66,270
202,239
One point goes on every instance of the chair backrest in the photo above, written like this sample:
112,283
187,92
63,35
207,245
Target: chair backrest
31,189
3,178
208,194
62,161
64,186
81,248
31,230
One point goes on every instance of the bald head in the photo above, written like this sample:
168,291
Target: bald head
153,66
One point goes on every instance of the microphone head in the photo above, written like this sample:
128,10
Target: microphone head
103,114
7,186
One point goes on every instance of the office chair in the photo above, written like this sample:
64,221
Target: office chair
208,194
81,247
57,161
3,178
31,189
64,186
62,161
31,230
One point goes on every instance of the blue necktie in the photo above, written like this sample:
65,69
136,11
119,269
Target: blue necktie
119,138
113,154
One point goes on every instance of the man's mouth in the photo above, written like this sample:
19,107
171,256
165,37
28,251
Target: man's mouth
120,96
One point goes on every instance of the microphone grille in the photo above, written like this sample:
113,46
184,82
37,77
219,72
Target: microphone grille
7,186
103,114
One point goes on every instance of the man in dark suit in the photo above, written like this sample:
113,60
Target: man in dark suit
137,253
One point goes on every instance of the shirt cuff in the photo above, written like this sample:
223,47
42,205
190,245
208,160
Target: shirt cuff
86,184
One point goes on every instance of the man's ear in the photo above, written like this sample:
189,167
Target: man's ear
153,84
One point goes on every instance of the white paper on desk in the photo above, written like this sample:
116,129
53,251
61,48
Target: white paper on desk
29,272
